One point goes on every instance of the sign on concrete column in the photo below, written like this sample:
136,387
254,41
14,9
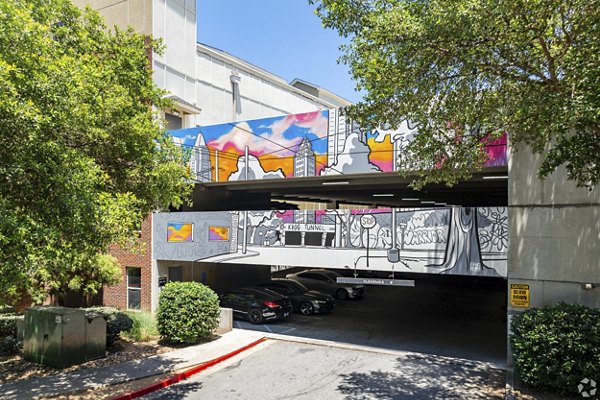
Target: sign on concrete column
519,295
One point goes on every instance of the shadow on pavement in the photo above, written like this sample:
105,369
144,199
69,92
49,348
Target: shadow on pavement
176,392
426,377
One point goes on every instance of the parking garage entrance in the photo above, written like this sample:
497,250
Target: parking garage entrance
452,316
455,255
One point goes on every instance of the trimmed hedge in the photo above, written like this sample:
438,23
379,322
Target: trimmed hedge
9,342
4,309
187,312
116,322
8,324
9,345
556,347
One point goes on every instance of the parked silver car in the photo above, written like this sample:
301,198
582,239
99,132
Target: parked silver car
326,281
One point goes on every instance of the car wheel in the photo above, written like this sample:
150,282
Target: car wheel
341,294
255,316
306,308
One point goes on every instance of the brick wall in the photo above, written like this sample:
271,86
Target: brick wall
140,255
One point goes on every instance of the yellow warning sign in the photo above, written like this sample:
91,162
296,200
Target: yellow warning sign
519,295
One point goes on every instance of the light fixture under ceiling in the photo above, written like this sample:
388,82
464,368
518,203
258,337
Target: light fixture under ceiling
335,183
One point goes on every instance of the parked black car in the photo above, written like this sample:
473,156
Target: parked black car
325,281
304,301
257,305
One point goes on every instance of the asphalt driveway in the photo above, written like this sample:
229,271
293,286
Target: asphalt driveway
463,319
281,370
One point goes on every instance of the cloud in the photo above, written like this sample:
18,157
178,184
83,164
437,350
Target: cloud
187,140
241,135
315,122
354,159
404,132
255,171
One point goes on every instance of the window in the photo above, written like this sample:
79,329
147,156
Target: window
176,274
173,121
134,288
235,93
315,276
280,289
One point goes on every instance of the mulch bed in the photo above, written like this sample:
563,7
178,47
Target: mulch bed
15,368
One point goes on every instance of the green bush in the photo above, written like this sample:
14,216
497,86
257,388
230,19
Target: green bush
9,342
144,327
556,347
8,325
9,345
4,309
187,312
116,322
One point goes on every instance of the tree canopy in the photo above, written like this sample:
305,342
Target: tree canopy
467,71
83,156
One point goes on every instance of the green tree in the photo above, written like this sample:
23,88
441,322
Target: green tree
83,156
466,71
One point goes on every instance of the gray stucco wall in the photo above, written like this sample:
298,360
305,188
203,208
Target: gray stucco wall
554,235
201,247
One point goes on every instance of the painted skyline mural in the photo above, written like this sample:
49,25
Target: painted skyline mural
317,143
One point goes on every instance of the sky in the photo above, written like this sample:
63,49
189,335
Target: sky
284,37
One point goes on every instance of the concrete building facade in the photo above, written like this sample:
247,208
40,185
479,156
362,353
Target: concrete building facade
553,229
208,86
554,235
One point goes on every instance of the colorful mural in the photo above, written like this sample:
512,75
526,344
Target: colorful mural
218,233
449,240
180,232
309,144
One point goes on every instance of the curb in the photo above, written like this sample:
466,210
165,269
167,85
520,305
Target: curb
186,374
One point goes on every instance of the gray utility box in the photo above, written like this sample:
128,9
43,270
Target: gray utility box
95,336
59,337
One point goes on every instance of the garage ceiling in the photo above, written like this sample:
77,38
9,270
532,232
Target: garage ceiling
486,188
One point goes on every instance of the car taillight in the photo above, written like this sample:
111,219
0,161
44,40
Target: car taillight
270,304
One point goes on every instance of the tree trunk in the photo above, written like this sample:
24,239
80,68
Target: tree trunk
463,254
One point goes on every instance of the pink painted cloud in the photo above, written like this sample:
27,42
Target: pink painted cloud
241,135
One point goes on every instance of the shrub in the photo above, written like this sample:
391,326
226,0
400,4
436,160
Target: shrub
144,327
4,309
9,342
187,312
116,322
9,345
556,347
8,325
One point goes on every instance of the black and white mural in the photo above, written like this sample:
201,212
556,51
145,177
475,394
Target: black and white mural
450,240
